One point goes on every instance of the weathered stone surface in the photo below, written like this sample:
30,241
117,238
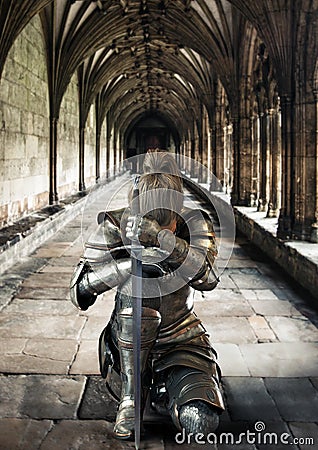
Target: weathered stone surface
231,360
293,329
261,328
249,400
226,282
93,327
97,402
92,435
86,361
295,359
306,434
44,292
258,294
274,308
36,356
51,250
41,307
40,396
248,278
230,330
23,434
17,325
222,307
51,280
296,398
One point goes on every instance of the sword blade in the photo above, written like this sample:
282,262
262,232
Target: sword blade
136,270
137,311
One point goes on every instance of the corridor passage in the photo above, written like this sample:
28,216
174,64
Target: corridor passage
51,394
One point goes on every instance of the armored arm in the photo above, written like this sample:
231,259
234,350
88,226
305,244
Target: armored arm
104,265
193,250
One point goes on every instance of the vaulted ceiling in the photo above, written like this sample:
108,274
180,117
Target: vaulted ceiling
152,55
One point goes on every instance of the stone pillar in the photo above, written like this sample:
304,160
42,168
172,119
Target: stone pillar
288,189
81,175
218,138
314,226
242,143
275,163
235,194
53,195
255,160
97,142
264,159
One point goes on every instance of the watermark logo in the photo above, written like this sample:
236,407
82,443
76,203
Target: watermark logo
259,436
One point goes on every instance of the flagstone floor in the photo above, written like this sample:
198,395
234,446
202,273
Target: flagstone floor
263,327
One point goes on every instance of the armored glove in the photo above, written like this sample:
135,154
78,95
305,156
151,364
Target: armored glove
144,229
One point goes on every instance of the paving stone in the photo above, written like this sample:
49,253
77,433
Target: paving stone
92,435
298,359
258,294
253,435
97,402
226,282
68,261
14,325
249,278
223,307
93,327
293,329
36,356
306,434
41,307
217,294
40,396
274,436
231,360
261,328
314,381
23,434
249,400
57,269
274,308
48,279
296,398
86,361
51,250
230,330
234,435
175,439
44,292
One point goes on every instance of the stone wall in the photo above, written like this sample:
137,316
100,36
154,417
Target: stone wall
24,134
68,142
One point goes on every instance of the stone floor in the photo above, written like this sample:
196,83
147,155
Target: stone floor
52,398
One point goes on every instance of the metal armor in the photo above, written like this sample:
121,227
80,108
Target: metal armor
184,376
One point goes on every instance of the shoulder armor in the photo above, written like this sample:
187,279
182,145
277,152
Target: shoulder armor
107,236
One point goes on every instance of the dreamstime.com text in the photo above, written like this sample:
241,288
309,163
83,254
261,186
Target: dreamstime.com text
258,437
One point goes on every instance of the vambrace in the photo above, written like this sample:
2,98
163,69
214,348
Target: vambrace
90,280
193,262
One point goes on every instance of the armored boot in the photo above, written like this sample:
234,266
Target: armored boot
150,321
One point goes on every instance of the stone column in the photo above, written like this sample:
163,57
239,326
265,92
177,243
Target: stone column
97,141
81,175
314,226
264,158
255,160
275,163
53,195
288,189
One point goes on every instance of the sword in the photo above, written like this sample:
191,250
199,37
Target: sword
136,270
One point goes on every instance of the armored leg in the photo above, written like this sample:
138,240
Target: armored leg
195,400
150,321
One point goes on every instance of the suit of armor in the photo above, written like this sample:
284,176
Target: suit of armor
178,363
